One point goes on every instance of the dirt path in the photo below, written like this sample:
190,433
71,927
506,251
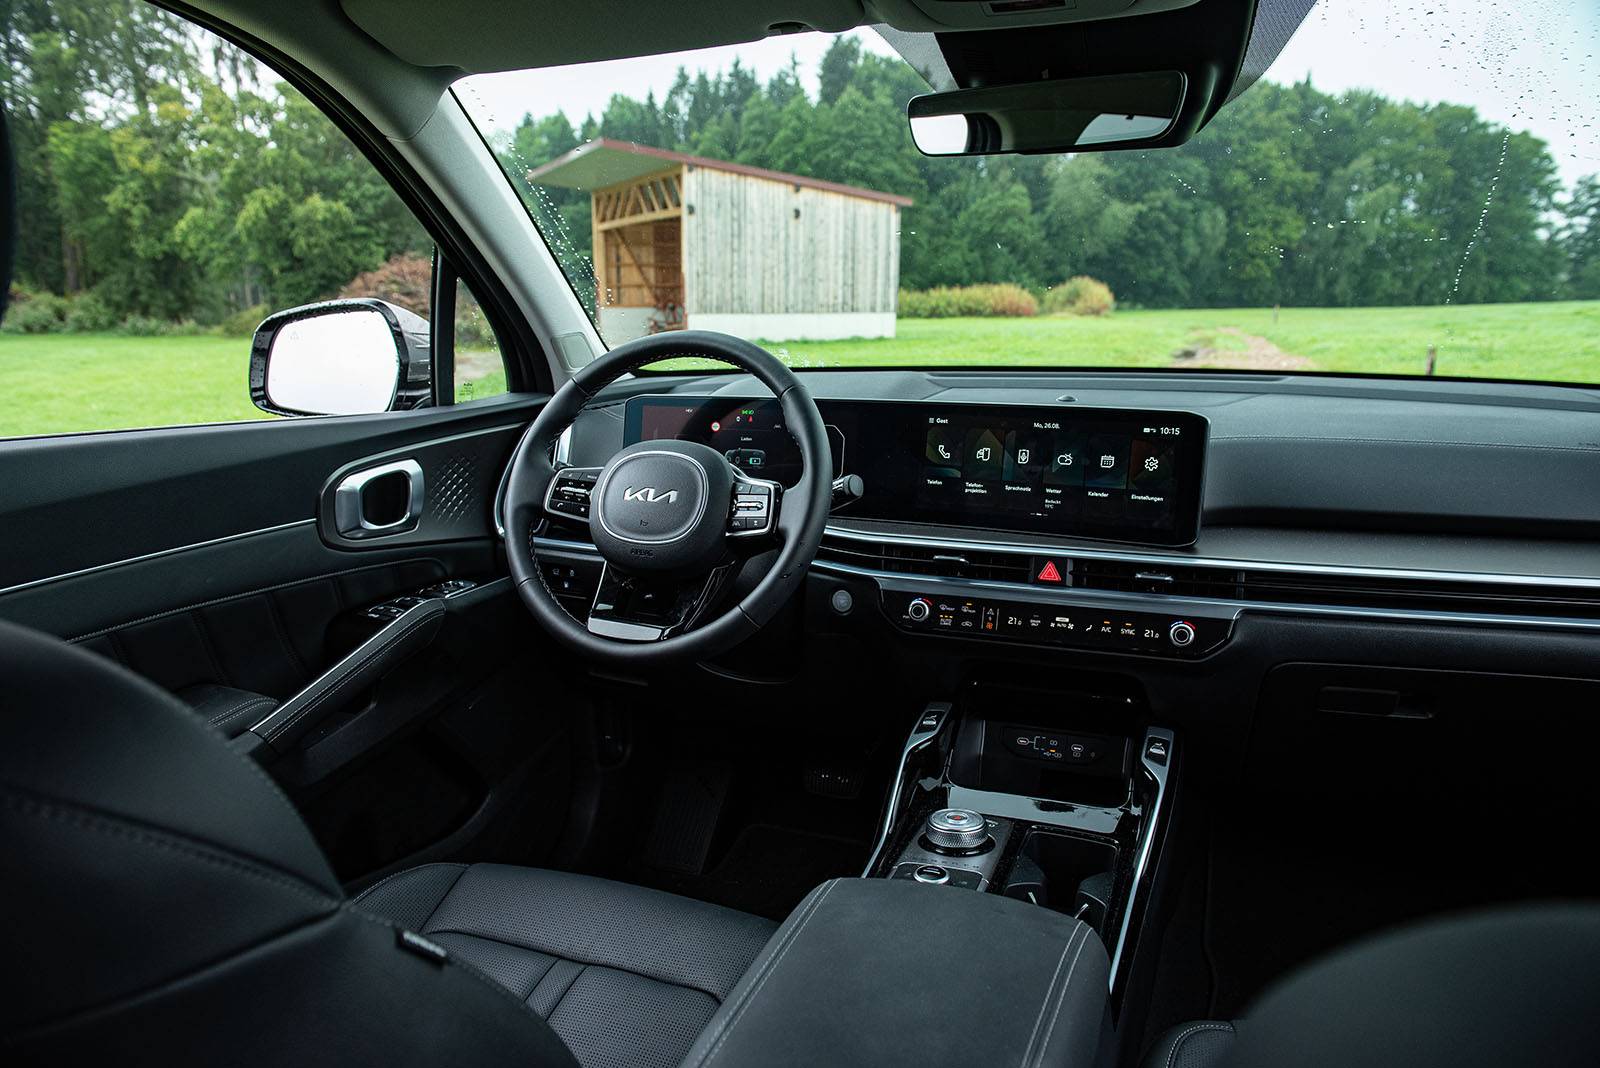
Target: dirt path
1230,347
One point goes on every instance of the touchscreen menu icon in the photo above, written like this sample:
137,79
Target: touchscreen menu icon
984,460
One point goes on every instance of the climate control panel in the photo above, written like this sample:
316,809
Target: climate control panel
1063,623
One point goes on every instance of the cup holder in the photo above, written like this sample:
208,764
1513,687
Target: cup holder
1065,873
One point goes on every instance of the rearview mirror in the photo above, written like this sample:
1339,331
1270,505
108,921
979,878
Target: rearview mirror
1071,115
341,357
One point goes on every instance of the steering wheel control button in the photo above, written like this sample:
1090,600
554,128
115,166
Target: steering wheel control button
957,830
570,491
752,509
1181,634
931,873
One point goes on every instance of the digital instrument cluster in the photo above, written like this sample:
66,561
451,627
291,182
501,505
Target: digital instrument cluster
1113,474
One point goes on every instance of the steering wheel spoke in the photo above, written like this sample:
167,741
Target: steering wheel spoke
754,511
644,608
567,496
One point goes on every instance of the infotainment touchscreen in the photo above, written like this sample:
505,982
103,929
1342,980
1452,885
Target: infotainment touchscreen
1117,474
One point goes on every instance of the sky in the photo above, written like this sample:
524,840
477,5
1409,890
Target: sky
1533,65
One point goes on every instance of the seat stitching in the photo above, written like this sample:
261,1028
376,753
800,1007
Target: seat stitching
466,966
196,849
581,961
766,973
582,970
404,871
437,905
238,707
1066,988
1048,990
248,708
1183,1036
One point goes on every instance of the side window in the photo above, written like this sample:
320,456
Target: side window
174,193
480,370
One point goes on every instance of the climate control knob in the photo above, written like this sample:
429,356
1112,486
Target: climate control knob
1181,633
919,609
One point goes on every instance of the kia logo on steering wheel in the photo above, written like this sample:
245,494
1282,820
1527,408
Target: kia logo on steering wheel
649,495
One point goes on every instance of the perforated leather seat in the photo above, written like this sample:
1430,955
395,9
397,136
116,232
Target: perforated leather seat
168,906
625,975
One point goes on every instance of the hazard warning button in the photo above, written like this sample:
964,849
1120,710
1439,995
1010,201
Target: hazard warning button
1049,571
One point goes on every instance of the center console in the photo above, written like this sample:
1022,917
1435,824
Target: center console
999,913
1047,799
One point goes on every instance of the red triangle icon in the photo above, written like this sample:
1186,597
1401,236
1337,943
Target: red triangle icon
1049,572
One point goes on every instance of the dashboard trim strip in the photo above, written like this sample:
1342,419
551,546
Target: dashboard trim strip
1158,602
1175,560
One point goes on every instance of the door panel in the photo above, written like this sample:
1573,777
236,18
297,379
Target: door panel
205,559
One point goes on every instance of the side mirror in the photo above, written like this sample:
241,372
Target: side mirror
341,357
1072,115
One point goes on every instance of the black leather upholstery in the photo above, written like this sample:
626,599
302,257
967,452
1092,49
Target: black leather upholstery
230,711
165,905
1202,1044
625,975
1507,987
883,973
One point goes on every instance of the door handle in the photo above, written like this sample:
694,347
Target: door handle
380,501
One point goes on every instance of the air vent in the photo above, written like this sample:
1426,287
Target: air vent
900,559
1498,598
1096,574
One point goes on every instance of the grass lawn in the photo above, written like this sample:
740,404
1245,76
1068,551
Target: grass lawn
55,383
1559,342
64,382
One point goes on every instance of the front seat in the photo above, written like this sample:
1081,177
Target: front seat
1511,986
166,905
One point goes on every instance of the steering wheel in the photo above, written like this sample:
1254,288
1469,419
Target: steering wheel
673,520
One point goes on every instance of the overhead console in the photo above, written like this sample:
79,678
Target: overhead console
1127,475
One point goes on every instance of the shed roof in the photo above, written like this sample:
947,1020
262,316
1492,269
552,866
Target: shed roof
605,162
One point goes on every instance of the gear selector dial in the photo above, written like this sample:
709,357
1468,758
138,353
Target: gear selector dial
956,830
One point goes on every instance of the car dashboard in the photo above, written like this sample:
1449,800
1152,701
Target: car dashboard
1146,514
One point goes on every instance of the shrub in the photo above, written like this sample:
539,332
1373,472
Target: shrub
405,279
1080,295
36,313
143,326
88,314
944,302
243,323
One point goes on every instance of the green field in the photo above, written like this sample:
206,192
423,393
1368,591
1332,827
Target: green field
65,382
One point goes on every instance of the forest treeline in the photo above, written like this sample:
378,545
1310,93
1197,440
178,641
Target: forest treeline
162,174
1290,196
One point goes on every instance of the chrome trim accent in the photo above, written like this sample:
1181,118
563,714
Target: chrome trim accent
1164,602
929,724
158,554
556,545
932,542
350,520
597,497
1152,822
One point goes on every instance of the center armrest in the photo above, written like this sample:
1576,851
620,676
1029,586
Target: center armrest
886,972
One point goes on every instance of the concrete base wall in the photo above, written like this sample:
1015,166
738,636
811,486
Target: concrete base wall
802,326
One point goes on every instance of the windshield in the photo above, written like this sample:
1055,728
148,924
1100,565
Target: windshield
1403,191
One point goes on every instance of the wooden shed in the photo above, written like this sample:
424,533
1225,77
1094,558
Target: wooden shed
681,241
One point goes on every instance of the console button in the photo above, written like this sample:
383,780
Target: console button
931,873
